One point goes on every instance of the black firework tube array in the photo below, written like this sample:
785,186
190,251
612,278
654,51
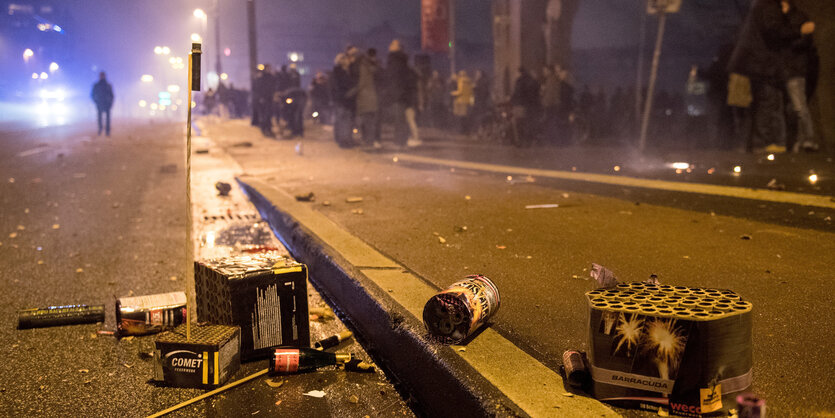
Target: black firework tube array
458,311
207,360
264,294
59,315
140,315
681,348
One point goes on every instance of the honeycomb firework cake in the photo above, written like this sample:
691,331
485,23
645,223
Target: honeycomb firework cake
681,348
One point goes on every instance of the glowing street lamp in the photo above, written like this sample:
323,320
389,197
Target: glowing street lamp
200,14
196,38
158,50
147,78
34,76
44,76
166,50
53,67
28,53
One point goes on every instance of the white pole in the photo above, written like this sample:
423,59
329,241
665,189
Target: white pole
662,19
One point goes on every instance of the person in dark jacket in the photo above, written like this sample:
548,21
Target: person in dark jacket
344,95
402,95
800,57
102,95
526,104
759,55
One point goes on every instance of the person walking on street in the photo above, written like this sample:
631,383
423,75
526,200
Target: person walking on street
368,109
102,95
759,55
266,90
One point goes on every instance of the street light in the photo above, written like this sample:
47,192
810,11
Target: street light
200,14
196,38
28,53
158,50
53,67
147,78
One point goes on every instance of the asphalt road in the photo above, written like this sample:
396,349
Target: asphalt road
540,258
86,219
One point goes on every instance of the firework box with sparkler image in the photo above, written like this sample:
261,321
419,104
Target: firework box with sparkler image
687,350
264,294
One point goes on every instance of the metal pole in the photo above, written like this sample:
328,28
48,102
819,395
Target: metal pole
190,307
639,83
452,37
662,19
217,38
253,49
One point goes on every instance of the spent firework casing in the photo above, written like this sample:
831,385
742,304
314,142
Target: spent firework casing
576,372
59,315
749,405
456,312
686,349
206,361
139,315
264,294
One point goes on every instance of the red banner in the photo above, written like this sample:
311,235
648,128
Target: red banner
434,25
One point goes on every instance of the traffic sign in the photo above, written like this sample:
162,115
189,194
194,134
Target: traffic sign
666,6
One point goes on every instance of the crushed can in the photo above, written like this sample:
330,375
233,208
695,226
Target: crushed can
458,311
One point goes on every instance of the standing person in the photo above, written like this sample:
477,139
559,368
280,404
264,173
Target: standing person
550,99
526,105
102,95
759,55
463,102
481,97
799,57
266,91
566,117
368,108
402,94
343,93
320,98
436,100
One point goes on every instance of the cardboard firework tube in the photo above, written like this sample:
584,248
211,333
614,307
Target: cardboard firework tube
457,312
59,315
576,372
750,406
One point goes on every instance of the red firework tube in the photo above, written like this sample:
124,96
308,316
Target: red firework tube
295,360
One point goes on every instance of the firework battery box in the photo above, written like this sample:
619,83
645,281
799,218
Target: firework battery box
205,361
140,315
687,350
264,294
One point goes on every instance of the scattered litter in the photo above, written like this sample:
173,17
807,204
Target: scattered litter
745,237
543,206
568,395
437,234
326,203
201,151
278,402
353,399
354,199
455,313
273,384
686,257
653,279
244,144
116,205
173,278
460,348
56,226
603,276
146,356
359,366
462,228
306,197
128,338
127,365
565,195
13,235
774,185
663,412
256,412
357,212
21,228
105,332
509,230
315,394
332,341
467,197
501,247
79,270
83,370
442,240
223,188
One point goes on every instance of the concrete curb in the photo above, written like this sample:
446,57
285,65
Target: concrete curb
443,384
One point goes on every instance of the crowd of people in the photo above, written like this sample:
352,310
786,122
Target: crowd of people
739,101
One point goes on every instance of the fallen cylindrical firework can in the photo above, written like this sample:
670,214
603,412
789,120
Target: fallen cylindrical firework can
59,315
749,405
576,372
457,312
139,315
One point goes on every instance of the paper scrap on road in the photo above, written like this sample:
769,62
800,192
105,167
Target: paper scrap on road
603,276
315,394
544,206
354,199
